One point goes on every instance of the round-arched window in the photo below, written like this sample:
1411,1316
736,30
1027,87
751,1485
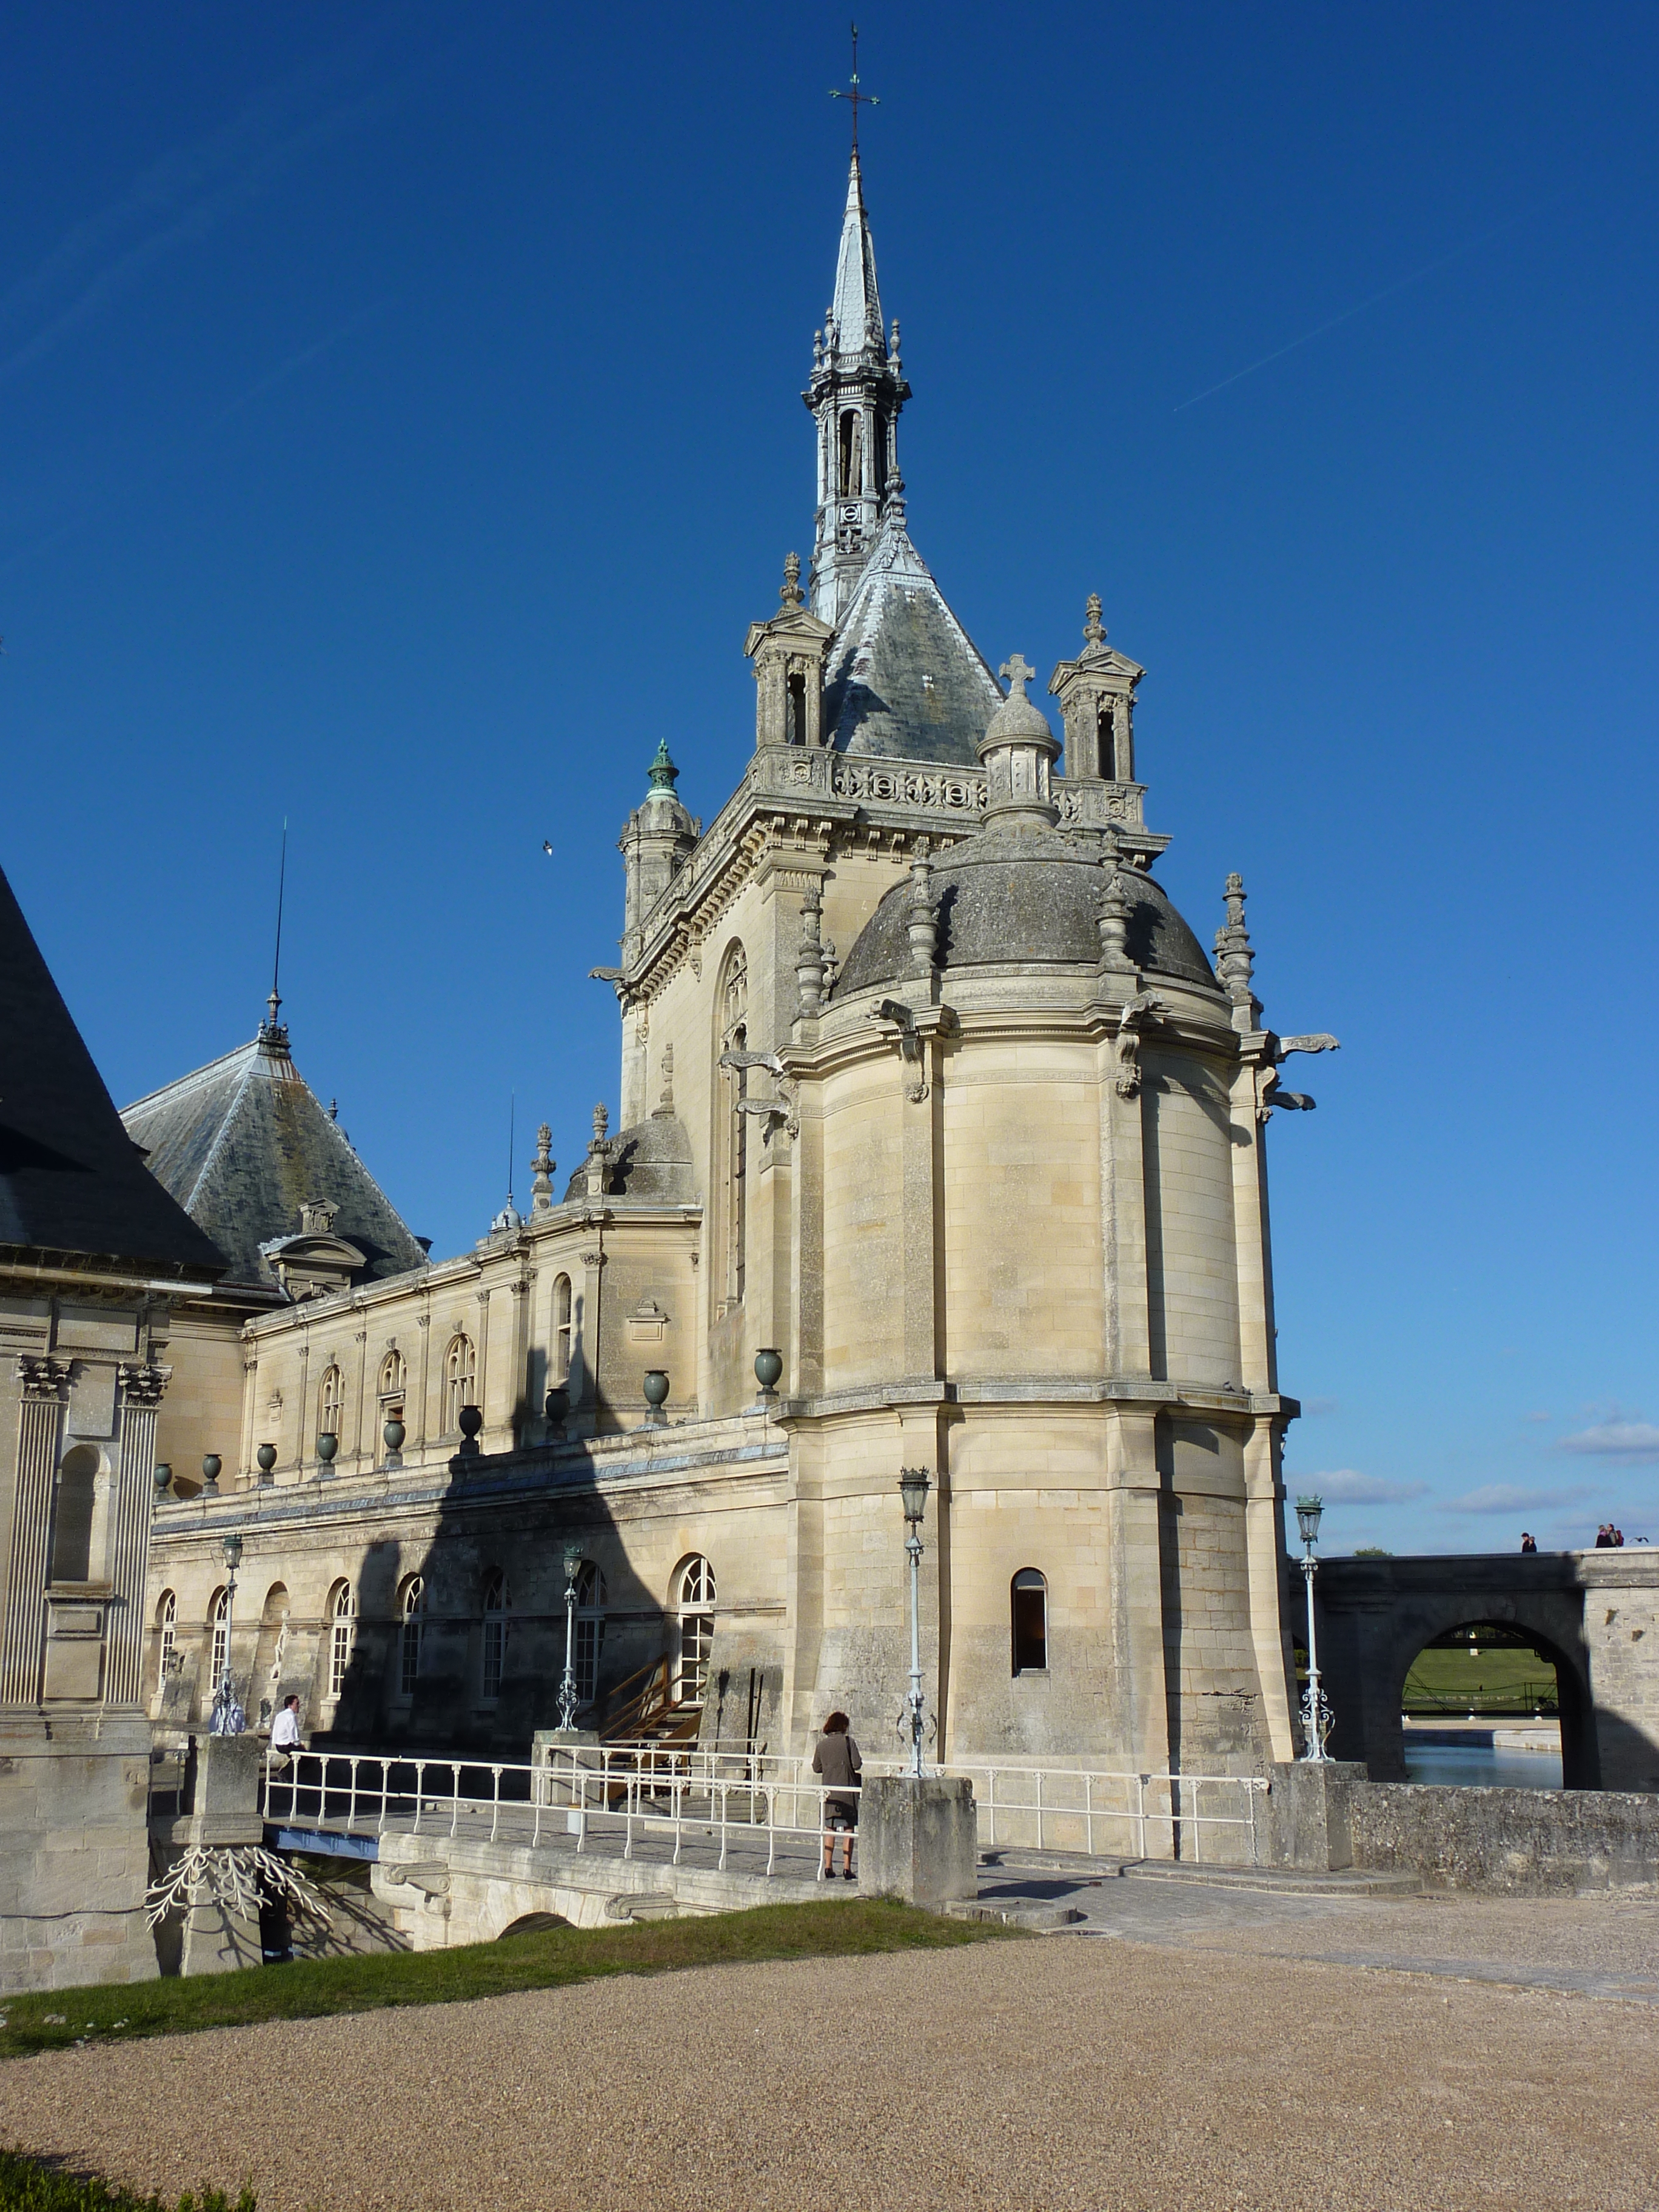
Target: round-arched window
494,1637
460,1380
412,1621
591,1600
341,1636
1028,1597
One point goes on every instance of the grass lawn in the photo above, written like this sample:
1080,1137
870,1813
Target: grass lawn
53,2020
1500,1678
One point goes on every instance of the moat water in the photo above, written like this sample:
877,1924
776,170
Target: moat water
1482,1767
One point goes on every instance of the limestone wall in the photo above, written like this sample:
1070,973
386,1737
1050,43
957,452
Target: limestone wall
74,1850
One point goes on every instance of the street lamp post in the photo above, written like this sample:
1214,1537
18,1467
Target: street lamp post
573,1566
912,1490
1315,1707
226,1717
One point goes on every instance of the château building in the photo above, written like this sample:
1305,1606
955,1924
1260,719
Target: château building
927,1090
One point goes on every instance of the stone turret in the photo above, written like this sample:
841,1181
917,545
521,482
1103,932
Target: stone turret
789,652
659,834
1018,750
1096,693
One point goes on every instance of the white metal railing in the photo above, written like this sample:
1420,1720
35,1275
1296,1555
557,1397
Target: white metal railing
646,1788
360,1792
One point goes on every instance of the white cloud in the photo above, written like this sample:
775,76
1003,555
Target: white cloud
1538,1417
1345,1486
1624,1439
1505,1498
1311,1405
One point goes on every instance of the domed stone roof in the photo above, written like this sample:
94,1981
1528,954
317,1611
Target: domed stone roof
1005,896
651,1162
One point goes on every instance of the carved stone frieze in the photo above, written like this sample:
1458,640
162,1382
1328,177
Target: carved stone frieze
949,791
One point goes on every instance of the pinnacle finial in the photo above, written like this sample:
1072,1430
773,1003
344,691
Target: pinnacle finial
1092,631
601,1122
664,773
1016,673
790,590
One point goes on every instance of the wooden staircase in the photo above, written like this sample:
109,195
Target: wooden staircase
643,1711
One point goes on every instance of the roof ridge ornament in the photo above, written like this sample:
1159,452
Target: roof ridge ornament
1094,633
663,773
790,590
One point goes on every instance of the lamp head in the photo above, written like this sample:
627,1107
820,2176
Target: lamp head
232,1552
1308,1511
914,1486
573,1562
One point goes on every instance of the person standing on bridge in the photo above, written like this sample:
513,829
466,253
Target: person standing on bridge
1529,1542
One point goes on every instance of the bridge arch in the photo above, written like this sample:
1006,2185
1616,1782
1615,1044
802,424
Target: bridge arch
1376,1615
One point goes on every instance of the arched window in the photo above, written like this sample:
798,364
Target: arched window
561,1329
330,1396
495,1635
391,1375
733,1005
341,1636
219,1653
590,1599
694,1603
1027,1596
460,1378
166,1619
71,1538
413,1621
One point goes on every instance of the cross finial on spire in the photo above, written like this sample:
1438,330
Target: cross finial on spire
859,97
1018,675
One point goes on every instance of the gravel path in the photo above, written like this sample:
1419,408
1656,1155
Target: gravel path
1064,2072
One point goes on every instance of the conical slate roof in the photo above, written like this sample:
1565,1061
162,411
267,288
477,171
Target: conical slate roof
904,680
72,1183
243,1143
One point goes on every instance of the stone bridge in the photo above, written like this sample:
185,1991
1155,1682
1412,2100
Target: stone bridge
1594,1613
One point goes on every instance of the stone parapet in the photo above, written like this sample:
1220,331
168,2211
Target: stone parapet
74,1850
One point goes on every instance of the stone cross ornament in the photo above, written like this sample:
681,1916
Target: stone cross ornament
1016,674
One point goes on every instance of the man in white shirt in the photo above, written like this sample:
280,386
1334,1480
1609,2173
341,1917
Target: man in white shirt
285,1729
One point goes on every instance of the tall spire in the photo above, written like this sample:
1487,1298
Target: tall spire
855,395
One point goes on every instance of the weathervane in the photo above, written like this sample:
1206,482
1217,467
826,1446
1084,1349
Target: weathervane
868,98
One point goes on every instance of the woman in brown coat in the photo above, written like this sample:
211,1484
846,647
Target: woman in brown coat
837,1758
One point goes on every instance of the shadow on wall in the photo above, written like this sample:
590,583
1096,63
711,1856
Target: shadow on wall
461,1647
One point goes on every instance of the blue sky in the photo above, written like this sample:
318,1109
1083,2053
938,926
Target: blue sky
403,428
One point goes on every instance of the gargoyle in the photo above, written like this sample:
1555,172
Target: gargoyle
781,1109
1269,1097
909,1045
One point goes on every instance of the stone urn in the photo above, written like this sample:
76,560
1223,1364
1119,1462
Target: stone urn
394,1432
471,1422
211,1464
163,1477
769,1366
266,1459
556,1407
327,1444
655,1386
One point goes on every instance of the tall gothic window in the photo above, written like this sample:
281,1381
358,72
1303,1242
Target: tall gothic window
460,1380
852,454
694,1606
590,1599
330,1396
733,1004
495,1635
1029,1605
412,1622
561,1329
167,1617
341,1636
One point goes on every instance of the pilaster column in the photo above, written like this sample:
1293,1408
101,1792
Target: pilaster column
141,1386
423,1323
1137,1585
1127,1332
360,1338
43,1386
1264,1541
921,1143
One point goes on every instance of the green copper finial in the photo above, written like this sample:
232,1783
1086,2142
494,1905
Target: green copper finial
664,773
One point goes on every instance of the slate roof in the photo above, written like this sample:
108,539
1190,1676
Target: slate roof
71,1182
904,680
1009,896
243,1143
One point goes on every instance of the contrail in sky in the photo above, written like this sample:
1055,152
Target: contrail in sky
1387,292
